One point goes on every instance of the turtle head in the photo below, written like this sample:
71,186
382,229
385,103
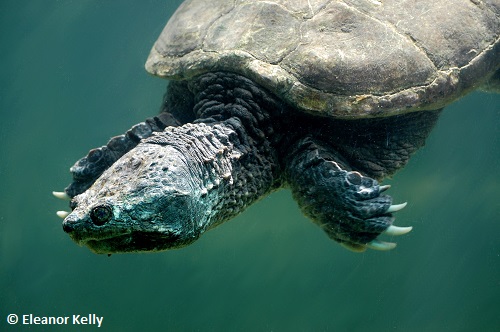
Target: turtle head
146,201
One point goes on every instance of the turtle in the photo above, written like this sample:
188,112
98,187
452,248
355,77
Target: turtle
323,97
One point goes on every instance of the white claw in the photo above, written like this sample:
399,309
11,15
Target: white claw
395,230
62,214
384,188
381,245
61,195
395,208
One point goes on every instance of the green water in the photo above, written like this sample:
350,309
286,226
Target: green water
72,76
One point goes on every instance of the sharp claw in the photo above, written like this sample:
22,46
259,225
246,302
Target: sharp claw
395,208
381,245
61,195
395,230
384,188
354,247
62,214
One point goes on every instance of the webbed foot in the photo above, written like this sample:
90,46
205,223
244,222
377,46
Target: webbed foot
349,207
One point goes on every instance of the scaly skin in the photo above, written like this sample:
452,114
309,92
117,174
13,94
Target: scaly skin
174,112
171,188
177,183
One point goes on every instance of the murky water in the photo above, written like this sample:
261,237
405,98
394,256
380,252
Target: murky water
72,76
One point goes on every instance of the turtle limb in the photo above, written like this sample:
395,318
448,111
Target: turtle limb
348,206
87,169
378,147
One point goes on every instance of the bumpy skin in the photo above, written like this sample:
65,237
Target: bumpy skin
86,170
332,190
177,183
171,188
345,204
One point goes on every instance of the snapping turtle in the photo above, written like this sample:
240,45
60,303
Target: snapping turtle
323,97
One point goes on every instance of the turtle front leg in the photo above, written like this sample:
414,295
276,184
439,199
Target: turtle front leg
348,206
174,112
87,169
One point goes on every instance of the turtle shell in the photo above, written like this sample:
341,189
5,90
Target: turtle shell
345,59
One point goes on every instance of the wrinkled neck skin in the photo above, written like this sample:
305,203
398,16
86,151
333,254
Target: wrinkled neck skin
178,183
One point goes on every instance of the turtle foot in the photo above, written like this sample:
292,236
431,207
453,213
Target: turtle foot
358,213
378,244
350,207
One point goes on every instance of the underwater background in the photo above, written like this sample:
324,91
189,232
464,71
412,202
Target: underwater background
72,76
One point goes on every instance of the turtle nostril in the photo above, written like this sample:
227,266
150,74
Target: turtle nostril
67,226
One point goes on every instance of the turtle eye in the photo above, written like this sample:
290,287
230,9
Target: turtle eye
100,214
